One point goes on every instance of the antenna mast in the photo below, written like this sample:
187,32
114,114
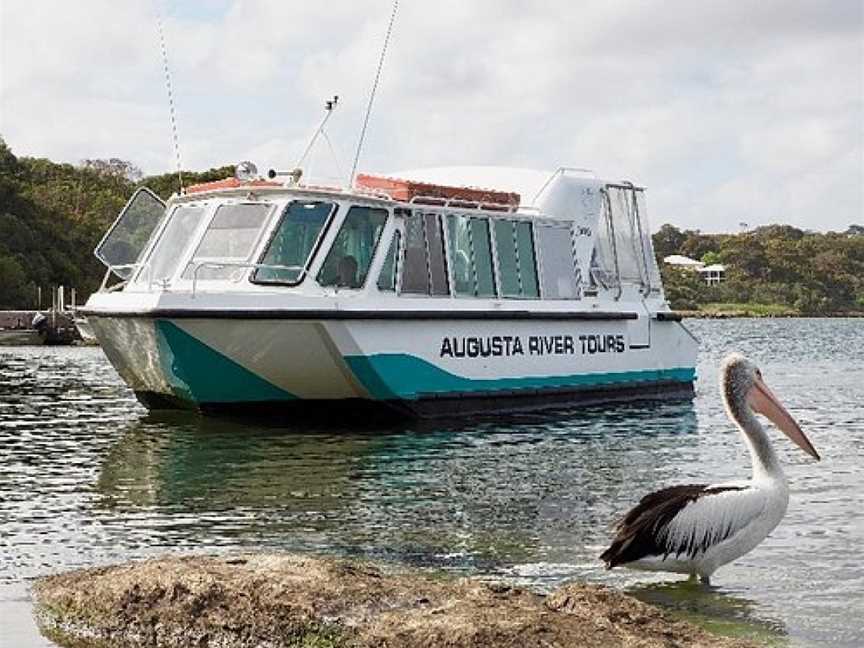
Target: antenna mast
328,110
170,96
372,95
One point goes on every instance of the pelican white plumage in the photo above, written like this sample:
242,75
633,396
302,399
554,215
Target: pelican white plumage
696,528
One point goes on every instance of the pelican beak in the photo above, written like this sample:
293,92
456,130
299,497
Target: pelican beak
763,401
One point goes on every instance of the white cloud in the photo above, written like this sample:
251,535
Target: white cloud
748,111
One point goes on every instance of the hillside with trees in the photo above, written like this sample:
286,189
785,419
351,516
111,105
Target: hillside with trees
53,215
773,269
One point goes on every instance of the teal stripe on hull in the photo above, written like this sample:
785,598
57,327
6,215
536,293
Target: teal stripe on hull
401,376
200,374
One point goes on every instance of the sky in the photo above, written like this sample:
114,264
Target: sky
728,112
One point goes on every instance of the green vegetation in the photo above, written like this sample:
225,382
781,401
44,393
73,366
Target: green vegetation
53,215
777,270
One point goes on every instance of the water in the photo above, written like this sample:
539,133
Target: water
87,477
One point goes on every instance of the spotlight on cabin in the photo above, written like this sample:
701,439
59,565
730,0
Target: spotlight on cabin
245,171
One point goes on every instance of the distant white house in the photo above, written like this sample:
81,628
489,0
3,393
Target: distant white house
712,274
683,261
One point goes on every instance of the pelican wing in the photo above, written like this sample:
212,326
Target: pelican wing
683,520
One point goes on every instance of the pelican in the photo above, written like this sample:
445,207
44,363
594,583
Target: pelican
696,528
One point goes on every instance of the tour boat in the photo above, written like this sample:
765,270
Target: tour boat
437,292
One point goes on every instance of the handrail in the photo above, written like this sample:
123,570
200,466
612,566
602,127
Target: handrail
611,229
634,209
625,185
235,264
461,203
198,265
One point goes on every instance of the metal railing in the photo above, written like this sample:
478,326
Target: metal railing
197,266
462,203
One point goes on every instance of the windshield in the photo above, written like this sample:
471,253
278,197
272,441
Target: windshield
173,242
294,243
123,243
230,238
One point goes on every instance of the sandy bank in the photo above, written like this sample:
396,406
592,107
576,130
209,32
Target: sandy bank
269,600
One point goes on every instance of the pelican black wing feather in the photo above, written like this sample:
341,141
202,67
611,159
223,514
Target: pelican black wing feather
639,531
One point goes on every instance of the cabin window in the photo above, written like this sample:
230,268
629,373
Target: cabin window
415,270
294,242
173,242
527,262
437,261
425,268
470,256
517,272
350,256
230,237
558,270
387,277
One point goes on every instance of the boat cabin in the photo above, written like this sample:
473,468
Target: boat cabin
577,238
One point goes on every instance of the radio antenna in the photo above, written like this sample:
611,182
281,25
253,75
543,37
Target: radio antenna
372,95
170,95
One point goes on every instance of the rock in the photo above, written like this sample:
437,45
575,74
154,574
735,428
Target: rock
270,600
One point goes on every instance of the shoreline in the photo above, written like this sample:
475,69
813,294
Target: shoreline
257,599
746,314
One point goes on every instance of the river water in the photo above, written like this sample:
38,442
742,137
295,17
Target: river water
87,477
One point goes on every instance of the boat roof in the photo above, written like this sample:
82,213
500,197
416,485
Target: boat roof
485,188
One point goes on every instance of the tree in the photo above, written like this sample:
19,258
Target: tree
13,282
774,232
684,288
8,161
696,245
710,258
166,184
744,255
114,167
668,240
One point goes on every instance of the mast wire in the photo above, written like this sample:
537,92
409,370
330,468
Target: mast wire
328,110
170,95
372,95
333,153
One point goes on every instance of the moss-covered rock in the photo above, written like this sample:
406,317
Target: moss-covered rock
270,600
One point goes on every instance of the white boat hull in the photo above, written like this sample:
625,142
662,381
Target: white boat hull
424,363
